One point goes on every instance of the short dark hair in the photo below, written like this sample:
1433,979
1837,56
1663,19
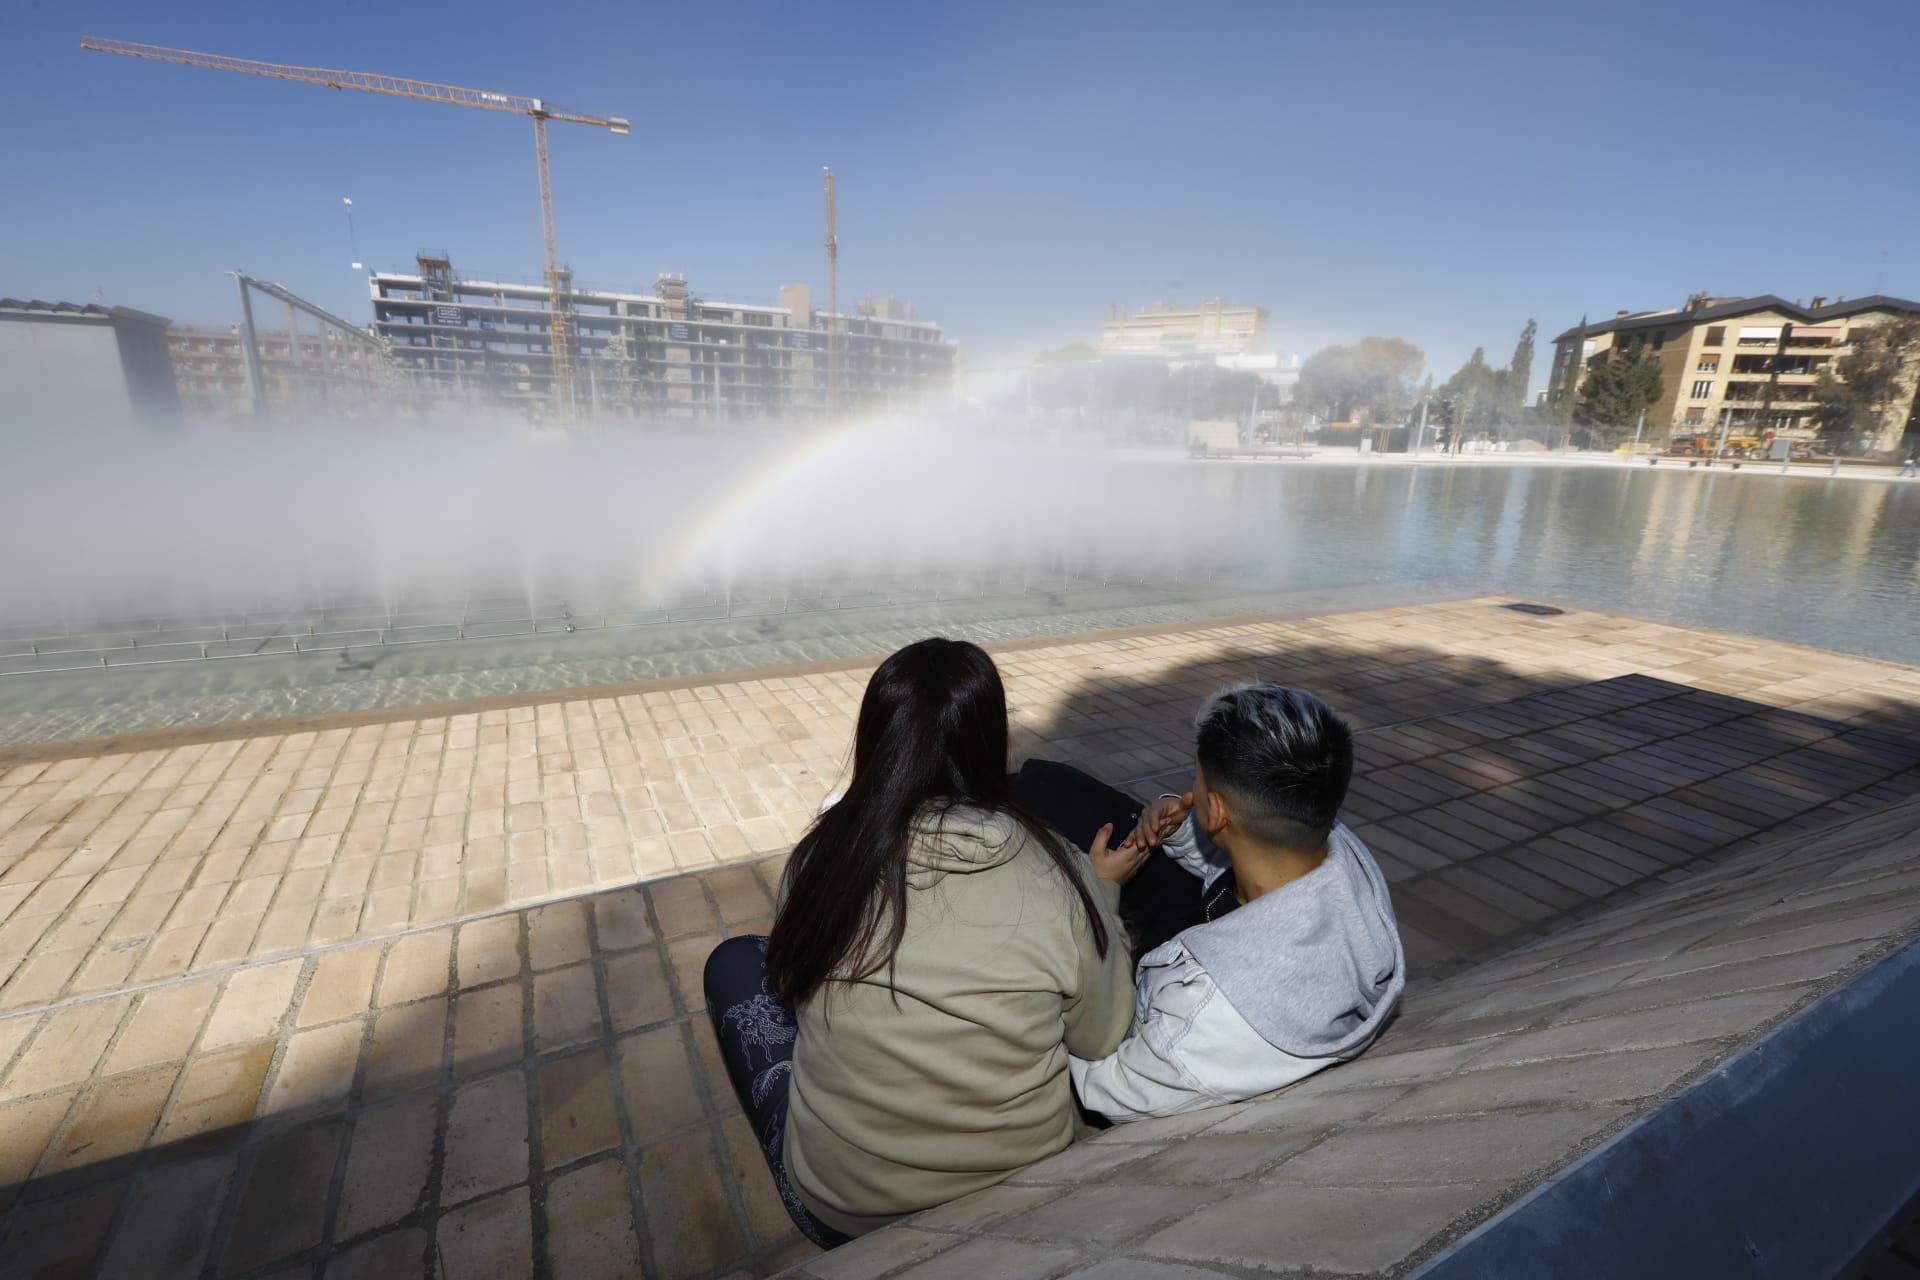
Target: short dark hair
1281,756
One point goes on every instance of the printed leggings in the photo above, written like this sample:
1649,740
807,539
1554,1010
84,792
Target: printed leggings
756,1034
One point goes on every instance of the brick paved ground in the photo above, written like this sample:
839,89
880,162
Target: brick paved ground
371,999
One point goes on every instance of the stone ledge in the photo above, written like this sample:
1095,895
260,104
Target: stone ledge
1375,1167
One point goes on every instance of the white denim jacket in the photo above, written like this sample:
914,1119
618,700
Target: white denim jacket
1315,966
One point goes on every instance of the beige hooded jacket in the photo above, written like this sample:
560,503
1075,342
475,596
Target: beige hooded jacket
896,1107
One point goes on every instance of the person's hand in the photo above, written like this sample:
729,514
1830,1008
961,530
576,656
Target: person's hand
1119,863
1161,819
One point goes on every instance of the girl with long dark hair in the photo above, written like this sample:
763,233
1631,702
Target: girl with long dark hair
902,1038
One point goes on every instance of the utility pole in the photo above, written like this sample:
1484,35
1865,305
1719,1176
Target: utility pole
1638,427
1420,436
833,309
1726,426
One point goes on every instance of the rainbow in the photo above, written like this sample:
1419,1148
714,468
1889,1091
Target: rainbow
807,455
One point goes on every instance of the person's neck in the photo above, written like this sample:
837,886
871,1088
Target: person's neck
1261,868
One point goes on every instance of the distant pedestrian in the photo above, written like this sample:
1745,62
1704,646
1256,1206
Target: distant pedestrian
1911,467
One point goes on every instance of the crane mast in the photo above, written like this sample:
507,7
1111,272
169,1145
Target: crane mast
833,308
541,111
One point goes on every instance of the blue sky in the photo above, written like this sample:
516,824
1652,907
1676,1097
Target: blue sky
1438,172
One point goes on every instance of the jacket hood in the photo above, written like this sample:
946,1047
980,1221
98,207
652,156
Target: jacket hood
1315,966
960,839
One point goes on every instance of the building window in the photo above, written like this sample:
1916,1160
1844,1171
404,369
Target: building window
1696,417
1703,388
1716,334
1709,364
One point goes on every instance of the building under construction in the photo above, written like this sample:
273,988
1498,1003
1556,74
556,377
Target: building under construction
665,354
312,371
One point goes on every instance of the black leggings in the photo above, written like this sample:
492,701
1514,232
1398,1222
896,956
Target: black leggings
756,1034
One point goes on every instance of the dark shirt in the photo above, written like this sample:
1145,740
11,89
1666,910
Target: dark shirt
1165,900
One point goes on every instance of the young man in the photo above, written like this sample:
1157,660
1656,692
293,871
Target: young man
1279,954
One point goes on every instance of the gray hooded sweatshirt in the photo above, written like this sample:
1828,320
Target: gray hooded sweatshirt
1296,980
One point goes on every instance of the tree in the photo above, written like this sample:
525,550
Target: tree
1617,391
1870,379
1370,381
1519,371
1473,396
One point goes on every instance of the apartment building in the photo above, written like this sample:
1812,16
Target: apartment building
664,354
312,371
1746,364
1215,327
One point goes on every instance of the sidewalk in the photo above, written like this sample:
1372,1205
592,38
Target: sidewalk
385,1000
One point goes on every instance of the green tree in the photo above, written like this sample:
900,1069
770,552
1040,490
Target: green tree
1369,381
1874,377
1519,372
1616,392
1473,397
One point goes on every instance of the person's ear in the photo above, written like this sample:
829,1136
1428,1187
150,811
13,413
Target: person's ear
1216,815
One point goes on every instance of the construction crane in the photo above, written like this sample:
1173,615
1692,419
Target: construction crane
538,109
833,308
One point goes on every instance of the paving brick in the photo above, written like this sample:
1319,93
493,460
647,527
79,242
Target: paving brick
217,1094
61,1237
681,906
388,1160
1793,968
1601,1078
1212,1160
639,992
1140,1269
739,894
620,920
488,950
688,1219
1106,1213
68,1044
397,1255
1005,1259
984,1208
577,1115
489,1239
557,935
342,986
282,1205
170,1220
1297,1226
1483,1148
687,958
417,966
163,1026
879,1253
409,1048
486,1144
25,1129
316,1069
252,1005
656,1081
590,1229
487,1029
113,1119
1646,1029
566,1007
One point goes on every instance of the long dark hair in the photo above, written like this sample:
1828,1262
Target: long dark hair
932,732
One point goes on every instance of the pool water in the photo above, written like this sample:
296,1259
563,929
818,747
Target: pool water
1833,564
